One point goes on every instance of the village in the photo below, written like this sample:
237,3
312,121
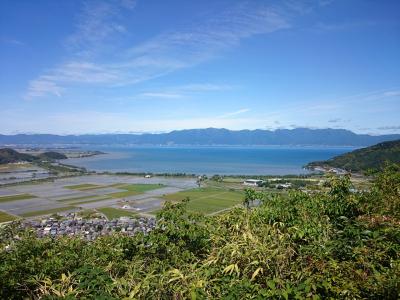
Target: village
88,229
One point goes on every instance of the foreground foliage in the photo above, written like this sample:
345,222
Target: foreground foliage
333,244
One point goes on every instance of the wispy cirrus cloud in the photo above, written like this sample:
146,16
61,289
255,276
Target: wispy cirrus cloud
42,86
328,105
161,95
389,128
73,72
234,113
179,49
158,56
105,122
343,26
11,41
204,87
338,120
186,90
391,93
97,22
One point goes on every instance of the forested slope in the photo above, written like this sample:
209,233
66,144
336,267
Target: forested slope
373,157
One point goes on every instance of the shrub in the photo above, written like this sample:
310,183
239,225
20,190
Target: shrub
335,244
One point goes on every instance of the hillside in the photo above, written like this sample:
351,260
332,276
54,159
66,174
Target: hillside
51,155
210,136
373,157
8,155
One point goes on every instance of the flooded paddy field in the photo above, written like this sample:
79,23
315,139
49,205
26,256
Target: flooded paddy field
132,193
13,173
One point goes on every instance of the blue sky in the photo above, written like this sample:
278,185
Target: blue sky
155,66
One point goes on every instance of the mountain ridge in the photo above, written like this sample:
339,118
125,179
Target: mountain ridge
372,157
211,136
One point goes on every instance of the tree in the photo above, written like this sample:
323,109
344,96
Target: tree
249,196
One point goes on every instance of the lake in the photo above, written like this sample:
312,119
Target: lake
267,160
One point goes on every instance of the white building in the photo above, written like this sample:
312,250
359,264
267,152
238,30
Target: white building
283,185
253,182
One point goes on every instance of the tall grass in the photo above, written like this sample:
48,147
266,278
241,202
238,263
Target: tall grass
334,244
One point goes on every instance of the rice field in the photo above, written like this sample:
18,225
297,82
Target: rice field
113,213
47,211
94,199
89,192
133,189
83,186
5,217
208,200
16,197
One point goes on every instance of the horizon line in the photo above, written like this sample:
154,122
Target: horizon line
188,129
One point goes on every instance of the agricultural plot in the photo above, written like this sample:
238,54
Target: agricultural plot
208,200
4,217
80,198
83,186
92,200
147,204
89,192
47,211
133,189
113,213
16,197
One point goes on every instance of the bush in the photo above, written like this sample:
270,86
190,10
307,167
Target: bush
333,244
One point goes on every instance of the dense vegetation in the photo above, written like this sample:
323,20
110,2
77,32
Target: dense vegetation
8,155
52,155
373,157
327,245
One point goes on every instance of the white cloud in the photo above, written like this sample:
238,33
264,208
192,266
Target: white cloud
235,113
14,42
161,95
186,90
204,87
41,87
161,55
104,122
329,105
72,72
98,22
344,26
391,94
396,128
205,41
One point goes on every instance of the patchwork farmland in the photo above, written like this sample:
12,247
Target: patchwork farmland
111,195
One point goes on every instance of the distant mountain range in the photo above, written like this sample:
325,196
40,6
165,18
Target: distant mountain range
209,136
373,157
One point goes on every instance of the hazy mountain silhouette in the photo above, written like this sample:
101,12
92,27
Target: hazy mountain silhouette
211,136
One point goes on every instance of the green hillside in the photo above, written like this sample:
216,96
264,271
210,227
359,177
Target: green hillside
8,155
51,155
359,160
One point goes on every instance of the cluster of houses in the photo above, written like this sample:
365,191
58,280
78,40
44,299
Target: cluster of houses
89,229
259,182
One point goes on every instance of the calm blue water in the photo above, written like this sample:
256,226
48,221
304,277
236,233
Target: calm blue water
271,160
